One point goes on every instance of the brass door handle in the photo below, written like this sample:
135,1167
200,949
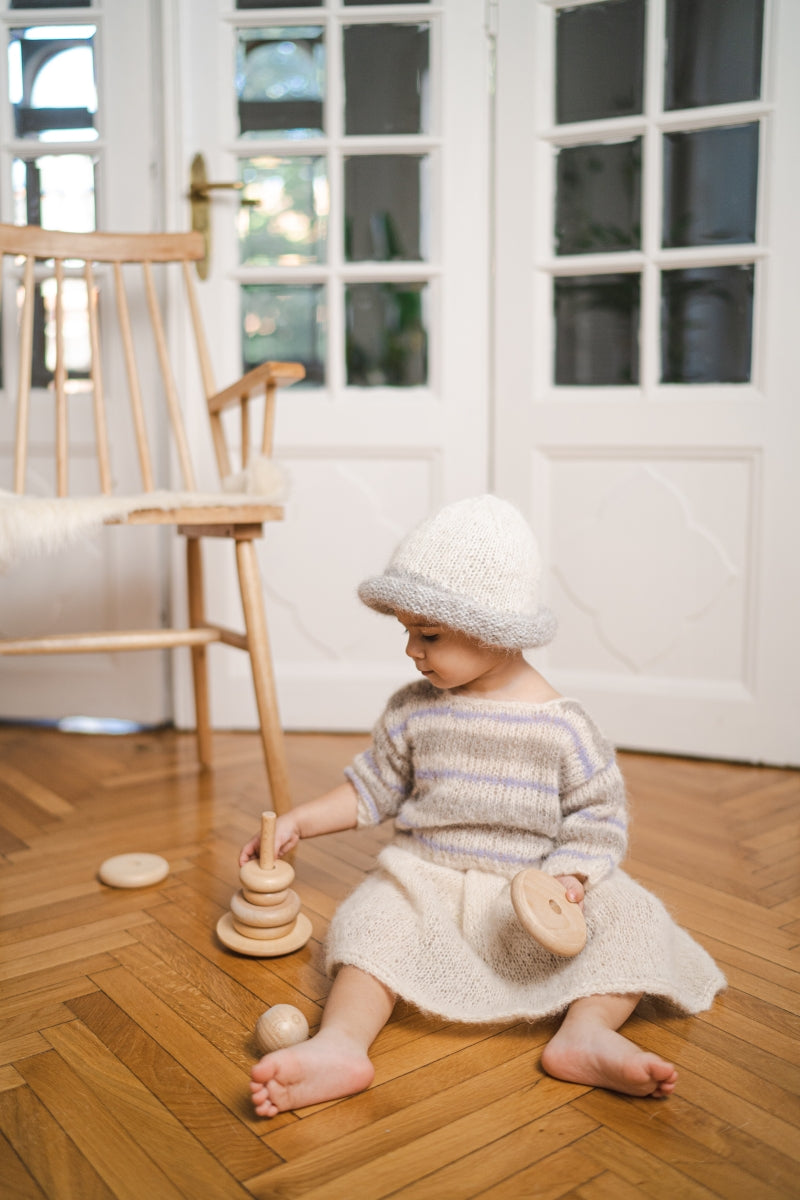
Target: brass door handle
199,200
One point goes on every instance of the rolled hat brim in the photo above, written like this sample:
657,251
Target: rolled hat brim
407,593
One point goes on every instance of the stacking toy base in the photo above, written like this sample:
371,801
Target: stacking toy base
234,940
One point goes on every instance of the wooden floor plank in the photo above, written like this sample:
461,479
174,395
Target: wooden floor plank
145,1119
127,1028
50,1154
358,1151
18,1183
474,1164
240,1150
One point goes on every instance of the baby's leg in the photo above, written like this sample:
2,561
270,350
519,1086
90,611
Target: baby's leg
588,1049
335,1061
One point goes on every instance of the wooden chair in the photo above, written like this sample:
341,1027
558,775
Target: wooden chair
124,288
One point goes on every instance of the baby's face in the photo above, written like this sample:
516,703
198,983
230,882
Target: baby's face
446,658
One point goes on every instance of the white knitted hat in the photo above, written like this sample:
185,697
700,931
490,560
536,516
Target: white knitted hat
473,566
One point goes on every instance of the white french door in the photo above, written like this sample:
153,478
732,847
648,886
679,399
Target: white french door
647,265
359,244
79,149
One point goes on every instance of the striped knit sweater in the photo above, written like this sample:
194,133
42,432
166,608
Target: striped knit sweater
494,785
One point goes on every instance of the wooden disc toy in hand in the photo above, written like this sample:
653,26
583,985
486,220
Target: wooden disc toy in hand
541,904
277,926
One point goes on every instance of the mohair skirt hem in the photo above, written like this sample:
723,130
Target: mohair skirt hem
449,942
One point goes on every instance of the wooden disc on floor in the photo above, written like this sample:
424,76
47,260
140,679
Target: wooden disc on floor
544,911
258,949
134,870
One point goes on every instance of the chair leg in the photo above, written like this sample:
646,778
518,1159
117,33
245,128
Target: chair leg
263,679
197,619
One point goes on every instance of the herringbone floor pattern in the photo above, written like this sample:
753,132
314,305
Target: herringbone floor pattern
126,1035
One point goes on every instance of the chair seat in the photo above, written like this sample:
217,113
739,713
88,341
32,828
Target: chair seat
216,510
32,525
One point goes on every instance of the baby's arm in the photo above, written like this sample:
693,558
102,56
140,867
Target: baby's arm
334,811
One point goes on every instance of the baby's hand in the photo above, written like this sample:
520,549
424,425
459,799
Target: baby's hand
573,887
287,835
251,850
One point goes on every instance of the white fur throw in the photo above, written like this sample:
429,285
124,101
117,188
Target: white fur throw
31,525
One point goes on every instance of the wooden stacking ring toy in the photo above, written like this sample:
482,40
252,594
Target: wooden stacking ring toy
543,909
265,918
133,870
280,1026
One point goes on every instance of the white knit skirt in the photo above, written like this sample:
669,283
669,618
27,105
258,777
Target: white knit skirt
449,942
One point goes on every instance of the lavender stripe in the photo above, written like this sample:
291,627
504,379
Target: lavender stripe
498,780
502,718
565,851
588,815
363,793
369,759
446,848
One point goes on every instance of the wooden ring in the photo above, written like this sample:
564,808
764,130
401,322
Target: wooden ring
274,879
263,916
264,899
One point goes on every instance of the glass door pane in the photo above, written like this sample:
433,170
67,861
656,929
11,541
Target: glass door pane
604,184
353,216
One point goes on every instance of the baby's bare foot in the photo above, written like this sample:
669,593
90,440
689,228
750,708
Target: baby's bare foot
603,1058
323,1068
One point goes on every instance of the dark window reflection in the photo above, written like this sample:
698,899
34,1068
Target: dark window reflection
386,78
710,181
713,52
383,211
597,330
706,324
285,322
598,198
599,60
50,3
280,77
387,334
279,3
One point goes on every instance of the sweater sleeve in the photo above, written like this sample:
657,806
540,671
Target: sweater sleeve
593,835
382,775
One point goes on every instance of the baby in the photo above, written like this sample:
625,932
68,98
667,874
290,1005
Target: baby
486,771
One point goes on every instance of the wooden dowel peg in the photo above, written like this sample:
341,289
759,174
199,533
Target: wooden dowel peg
266,857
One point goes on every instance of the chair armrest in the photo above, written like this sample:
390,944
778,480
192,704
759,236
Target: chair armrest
277,373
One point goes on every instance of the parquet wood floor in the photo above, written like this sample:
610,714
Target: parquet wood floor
127,1030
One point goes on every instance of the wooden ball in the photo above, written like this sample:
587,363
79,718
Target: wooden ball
280,1026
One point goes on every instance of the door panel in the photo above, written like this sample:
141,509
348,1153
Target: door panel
77,157
644,400
366,256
